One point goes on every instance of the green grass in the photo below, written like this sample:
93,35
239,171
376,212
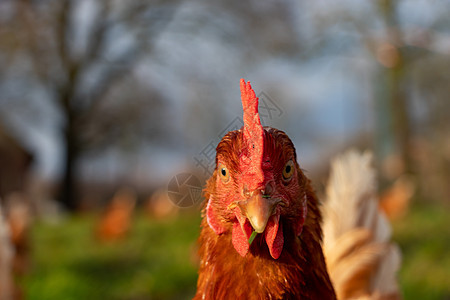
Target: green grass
155,260
424,238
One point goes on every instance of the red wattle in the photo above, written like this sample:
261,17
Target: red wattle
274,236
240,238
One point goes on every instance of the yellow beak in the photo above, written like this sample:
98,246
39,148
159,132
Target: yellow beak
258,210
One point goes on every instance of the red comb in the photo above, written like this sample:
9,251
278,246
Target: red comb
251,161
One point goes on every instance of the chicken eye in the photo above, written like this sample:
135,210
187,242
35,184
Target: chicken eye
288,170
223,173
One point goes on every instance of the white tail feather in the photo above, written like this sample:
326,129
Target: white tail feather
361,260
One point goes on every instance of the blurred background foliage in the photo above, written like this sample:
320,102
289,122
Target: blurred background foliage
102,102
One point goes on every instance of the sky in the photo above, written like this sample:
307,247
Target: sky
326,98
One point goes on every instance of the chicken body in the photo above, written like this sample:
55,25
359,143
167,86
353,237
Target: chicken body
258,186
298,273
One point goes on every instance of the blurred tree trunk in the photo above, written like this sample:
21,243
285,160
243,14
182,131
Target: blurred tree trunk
68,192
399,107
394,83
49,32
68,88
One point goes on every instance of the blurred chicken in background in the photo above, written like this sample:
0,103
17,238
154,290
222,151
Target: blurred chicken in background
395,200
6,260
19,218
116,220
159,206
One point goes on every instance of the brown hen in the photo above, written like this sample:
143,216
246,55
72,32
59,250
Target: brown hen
258,188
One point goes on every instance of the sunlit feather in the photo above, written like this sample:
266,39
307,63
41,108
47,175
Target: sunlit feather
361,259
